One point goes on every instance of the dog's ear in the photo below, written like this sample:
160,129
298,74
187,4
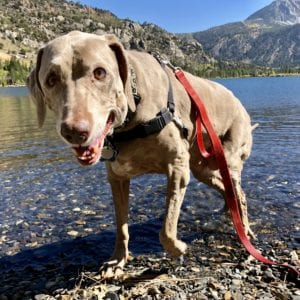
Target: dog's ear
121,57
36,91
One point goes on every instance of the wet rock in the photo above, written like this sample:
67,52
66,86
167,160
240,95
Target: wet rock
111,296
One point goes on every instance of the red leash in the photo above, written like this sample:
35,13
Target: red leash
218,153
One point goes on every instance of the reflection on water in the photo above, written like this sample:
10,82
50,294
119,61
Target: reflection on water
46,196
20,137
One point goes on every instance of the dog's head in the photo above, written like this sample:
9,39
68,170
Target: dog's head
83,79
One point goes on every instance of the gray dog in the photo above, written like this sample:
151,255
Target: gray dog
90,82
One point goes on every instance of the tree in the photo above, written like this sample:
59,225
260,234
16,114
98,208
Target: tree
16,71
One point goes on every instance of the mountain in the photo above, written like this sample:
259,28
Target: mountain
283,12
269,37
25,25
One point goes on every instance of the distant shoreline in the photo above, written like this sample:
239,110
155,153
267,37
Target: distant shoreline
211,78
13,86
259,76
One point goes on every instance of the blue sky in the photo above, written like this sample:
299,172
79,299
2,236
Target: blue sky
179,16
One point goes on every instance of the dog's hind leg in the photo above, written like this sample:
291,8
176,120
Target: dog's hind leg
213,179
178,179
242,203
114,266
237,145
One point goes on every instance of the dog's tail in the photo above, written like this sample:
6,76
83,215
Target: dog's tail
254,126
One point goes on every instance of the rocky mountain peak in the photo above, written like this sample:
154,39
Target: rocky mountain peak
281,12
269,37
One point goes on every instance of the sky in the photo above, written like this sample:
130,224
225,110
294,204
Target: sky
181,16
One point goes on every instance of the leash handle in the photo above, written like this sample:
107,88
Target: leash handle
217,151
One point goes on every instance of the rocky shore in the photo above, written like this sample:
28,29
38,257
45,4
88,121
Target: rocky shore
150,277
215,267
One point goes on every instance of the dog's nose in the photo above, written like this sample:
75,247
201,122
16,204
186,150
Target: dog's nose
75,134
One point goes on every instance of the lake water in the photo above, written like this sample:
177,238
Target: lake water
46,198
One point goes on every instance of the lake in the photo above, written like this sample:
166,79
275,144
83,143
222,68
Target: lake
47,198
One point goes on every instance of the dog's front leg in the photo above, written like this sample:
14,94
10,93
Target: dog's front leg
114,266
178,179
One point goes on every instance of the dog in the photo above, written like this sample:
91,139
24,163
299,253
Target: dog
87,81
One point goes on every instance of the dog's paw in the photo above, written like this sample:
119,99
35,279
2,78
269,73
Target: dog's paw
174,247
112,269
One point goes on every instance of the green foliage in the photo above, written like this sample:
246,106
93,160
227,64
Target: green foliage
13,72
221,69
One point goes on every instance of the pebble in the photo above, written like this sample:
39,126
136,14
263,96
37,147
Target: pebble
236,282
294,257
43,297
195,269
73,233
111,296
214,294
268,276
88,212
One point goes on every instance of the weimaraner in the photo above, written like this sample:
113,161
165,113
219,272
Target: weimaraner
86,80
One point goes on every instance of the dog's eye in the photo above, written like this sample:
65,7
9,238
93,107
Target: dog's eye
52,80
99,73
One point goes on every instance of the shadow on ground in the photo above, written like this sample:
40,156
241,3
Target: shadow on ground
58,265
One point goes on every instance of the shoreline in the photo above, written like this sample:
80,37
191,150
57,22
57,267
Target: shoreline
214,267
210,78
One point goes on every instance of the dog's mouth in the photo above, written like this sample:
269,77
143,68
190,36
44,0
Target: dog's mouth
89,155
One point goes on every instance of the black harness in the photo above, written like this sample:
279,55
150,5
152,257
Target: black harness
142,130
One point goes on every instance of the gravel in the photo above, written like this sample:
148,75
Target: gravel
215,267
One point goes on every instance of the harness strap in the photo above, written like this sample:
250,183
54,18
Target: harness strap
155,125
218,153
170,104
142,130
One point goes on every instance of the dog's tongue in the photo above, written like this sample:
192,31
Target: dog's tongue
88,155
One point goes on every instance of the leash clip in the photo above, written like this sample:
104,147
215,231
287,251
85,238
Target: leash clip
163,60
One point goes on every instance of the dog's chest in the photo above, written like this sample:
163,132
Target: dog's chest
134,163
123,169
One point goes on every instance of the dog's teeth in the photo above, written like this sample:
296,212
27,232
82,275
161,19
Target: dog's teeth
89,157
83,157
